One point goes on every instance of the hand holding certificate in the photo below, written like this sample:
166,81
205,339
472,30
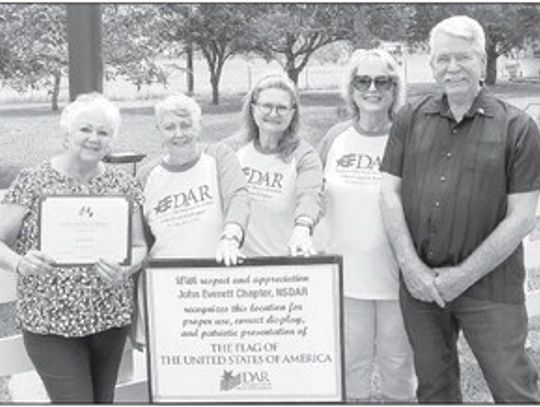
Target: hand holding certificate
80,230
34,262
112,273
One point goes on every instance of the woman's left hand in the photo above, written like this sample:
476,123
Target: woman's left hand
112,273
228,252
300,243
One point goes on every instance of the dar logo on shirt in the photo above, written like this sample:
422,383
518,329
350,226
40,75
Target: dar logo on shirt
359,161
183,199
267,179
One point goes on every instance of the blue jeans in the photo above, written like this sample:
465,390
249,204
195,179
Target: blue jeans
374,333
80,369
496,334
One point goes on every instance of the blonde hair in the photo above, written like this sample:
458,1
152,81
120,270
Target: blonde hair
177,103
250,131
85,102
355,62
462,27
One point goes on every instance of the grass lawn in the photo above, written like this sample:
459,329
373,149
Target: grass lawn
29,134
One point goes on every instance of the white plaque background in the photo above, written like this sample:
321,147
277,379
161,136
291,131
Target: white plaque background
198,371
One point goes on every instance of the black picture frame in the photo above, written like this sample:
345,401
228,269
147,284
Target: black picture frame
167,270
82,201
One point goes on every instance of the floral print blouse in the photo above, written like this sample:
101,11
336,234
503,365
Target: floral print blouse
69,301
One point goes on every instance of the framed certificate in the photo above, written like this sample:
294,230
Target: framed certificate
78,230
269,330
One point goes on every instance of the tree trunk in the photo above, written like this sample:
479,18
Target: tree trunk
190,77
56,90
292,72
216,68
491,69
214,81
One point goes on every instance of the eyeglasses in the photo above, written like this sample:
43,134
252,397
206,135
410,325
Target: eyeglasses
363,82
267,108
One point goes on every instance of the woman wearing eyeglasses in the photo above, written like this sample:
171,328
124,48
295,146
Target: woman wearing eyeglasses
284,173
351,153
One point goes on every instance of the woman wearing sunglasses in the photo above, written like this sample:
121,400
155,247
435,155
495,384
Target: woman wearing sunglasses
284,173
351,153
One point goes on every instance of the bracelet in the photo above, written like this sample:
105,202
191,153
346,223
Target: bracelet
303,221
231,237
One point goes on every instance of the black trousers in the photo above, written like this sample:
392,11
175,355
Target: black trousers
496,333
78,370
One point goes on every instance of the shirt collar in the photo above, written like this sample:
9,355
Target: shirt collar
484,105
179,167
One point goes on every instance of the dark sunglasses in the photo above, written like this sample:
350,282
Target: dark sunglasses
363,82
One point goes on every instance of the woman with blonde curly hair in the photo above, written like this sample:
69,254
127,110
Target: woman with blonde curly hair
284,172
351,153
74,318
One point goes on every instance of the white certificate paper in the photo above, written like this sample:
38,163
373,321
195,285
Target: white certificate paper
79,230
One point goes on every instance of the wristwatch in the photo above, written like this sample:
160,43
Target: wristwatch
306,222
230,236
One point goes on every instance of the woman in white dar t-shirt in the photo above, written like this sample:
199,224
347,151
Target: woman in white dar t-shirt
351,153
284,172
196,204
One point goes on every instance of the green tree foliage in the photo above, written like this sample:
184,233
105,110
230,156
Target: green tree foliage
34,52
130,45
5,62
374,23
33,47
506,25
291,33
218,31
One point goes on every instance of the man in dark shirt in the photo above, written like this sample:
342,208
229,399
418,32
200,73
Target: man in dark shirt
461,174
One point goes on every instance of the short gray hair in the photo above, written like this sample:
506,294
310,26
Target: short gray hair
88,101
355,62
462,27
178,103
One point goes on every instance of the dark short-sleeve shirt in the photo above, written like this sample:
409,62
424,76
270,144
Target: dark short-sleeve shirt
68,301
456,178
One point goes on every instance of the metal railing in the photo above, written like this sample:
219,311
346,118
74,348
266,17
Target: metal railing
125,158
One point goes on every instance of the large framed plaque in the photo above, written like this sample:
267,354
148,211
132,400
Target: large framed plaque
269,330
79,230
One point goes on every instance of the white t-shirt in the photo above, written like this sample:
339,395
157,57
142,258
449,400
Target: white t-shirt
354,220
183,210
272,188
